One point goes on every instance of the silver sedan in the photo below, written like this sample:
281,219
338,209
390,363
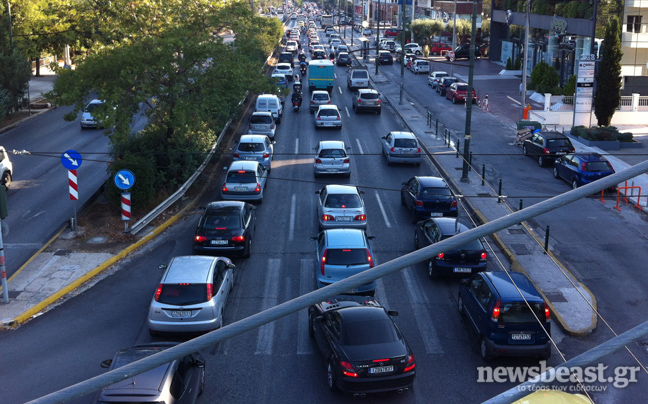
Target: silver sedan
341,206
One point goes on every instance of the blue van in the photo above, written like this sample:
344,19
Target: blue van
509,320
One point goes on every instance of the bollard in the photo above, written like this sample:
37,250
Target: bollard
521,204
470,162
546,246
458,147
436,129
483,174
499,191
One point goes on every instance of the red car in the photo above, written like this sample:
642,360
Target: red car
459,92
391,32
439,48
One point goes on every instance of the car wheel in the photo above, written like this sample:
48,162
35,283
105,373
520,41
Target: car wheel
483,350
330,377
248,248
402,199
311,326
260,201
524,151
454,99
348,175
418,52
220,323
416,243
460,306
413,216
6,179
431,271
555,172
380,111
541,161
435,53
574,184
201,388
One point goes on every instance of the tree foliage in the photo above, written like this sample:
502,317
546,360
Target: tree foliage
544,77
425,29
608,91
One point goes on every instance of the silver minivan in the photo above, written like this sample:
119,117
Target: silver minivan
270,103
255,148
262,123
192,294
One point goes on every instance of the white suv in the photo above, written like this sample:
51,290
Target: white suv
5,167
413,46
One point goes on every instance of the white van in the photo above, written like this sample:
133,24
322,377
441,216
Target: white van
270,103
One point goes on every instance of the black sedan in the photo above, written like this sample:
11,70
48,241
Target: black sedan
364,350
428,197
463,261
226,228
385,57
547,146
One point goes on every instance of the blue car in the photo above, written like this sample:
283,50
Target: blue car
508,314
582,168
428,197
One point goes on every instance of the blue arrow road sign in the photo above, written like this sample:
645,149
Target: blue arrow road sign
124,179
71,159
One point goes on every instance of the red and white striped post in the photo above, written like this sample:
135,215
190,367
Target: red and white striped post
74,193
126,208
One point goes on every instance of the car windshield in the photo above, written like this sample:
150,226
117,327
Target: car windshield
241,177
597,166
260,119
409,143
343,201
92,107
221,222
558,142
368,332
520,313
328,112
360,75
369,96
435,193
346,256
321,97
332,153
184,294
251,147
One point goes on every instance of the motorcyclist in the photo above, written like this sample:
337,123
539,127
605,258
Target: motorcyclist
296,99
303,66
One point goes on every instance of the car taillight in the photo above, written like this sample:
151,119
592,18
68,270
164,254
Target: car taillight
258,188
546,151
418,203
440,256
319,118
347,369
323,262
359,101
584,166
238,239
312,102
318,161
224,189
272,126
360,217
379,101
392,149
236,154
158,292
547,312
483,256
210,291
327,218
328,102
339,117
346,161
496,312
418,149
410,363
266,155
200,239
454,204
370,259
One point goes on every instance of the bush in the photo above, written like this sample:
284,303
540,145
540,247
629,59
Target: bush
545,78
601,133
509,64
570,86
556,90
518,64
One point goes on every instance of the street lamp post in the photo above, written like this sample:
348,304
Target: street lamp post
467,135
377,36
526,59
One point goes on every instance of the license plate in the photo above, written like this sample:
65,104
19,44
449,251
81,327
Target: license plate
520,337
381,369
463,270
219,242
240,189
181,313
436,214
250,158
561,153
328,124
343,218
331,170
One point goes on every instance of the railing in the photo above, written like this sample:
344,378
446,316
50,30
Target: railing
626,103
566,103
643,104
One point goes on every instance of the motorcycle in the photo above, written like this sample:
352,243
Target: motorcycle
296,105
303,70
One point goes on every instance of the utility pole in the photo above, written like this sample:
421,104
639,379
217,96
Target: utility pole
412,20
525,60
454,27
377,36
10,24
467,136
593,43
402,83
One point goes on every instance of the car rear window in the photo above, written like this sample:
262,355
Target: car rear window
368,332
558,142
441,75
409,143
462,88
360,74
328,112
471,245
370,96
321,97
597,166
223,221
343,201
245,177
520,312
346,256
251,147
422,63
261,119
184,294
435,192
332,153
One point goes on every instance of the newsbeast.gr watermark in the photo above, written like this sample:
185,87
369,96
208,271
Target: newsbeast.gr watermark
620,376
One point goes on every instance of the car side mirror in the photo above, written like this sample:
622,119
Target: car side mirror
163,266
199,364
384,137
314,238
317,192
231,266
392,313
371,237
106,364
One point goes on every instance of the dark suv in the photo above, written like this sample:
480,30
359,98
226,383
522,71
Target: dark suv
179,381
508,313
444,84
286,57
463,52
428,196
547,146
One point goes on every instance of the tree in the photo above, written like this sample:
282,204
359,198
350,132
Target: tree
608,79
424,29
544,77
14,72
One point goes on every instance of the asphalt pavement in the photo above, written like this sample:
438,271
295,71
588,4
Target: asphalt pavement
51,276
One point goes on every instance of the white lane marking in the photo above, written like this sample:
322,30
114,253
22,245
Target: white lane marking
422,312
359,146
513,99
265,337
306,284
296,146
293,203
335,75
340,88
347,111
382,209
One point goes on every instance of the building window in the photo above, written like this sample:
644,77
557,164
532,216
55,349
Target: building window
634,24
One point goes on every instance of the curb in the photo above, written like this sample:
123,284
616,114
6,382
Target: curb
515,265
